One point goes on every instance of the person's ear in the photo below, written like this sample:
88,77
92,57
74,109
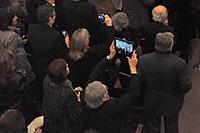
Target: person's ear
49,19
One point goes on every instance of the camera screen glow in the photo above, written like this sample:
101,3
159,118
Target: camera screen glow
124,47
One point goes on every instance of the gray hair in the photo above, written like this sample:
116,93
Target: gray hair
164,42
94,94
120,20
79,40
160,15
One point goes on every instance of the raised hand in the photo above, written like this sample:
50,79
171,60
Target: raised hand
133,62
77,91
112,51
108,20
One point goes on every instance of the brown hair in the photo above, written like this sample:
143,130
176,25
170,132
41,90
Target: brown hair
12,121
57,70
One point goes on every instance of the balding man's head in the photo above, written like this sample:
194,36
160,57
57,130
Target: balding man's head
160,14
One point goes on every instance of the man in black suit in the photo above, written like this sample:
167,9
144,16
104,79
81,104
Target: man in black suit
148,31
47,43
165,81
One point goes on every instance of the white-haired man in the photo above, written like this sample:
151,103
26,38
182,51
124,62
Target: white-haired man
149,31
165,82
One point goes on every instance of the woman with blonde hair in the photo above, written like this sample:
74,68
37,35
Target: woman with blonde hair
82,58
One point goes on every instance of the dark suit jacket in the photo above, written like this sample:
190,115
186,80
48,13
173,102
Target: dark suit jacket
165,81
47,44
109,117
81,14
149,32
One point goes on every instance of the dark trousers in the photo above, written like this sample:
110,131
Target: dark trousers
153,124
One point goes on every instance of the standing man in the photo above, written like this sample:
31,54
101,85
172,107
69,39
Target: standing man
165,82
149,31
46,43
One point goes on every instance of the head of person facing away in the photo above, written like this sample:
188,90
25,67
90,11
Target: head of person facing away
120,21
58,70
96,94
78,44
12,121
46,14
164,42
160,14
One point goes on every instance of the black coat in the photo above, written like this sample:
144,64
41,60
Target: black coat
149,32
109,117
11,93
164,81
81,14
47,44
61,109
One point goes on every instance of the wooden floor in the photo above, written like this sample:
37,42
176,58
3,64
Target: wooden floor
189,121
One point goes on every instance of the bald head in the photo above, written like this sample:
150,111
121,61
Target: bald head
159,9
160,14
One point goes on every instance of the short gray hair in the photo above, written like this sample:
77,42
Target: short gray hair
78,41
120,20
164,42
94,94
159,13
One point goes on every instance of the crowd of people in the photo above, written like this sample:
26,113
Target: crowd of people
60,71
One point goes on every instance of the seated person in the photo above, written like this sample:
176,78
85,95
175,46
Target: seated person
103,113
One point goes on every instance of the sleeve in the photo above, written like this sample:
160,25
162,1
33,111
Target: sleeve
141,75
98,70
185,81
129,97
74,108
60,47
15,42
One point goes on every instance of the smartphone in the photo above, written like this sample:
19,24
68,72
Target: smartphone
64,33
124,47
101,18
